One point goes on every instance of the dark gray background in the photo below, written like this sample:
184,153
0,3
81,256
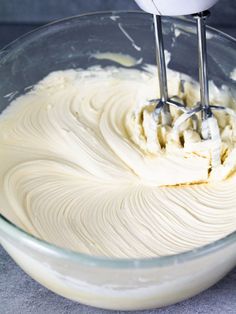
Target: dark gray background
19,294
20,16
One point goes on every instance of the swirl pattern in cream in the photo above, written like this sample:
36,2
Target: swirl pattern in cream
78,170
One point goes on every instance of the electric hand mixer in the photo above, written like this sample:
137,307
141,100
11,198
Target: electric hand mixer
209,125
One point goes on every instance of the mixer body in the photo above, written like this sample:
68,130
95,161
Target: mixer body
173,7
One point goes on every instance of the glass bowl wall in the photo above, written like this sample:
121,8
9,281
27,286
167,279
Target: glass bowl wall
113,284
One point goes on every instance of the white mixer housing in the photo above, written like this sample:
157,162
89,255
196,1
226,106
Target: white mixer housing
175,7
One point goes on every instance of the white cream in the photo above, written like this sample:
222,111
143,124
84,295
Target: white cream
233,75
76,171
120,58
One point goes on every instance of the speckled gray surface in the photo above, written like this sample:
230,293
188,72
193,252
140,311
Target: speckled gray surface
19,294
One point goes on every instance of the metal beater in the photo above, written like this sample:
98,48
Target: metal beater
209,126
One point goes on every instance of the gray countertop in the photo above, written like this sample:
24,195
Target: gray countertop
19,294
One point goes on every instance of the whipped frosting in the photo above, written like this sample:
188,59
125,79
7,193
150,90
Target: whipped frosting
84,167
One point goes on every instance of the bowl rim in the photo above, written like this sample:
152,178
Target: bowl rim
5,48
24,237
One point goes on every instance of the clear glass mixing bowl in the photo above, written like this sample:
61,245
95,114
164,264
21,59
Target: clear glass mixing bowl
111,283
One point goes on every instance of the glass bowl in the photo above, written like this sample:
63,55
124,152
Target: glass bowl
120,284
